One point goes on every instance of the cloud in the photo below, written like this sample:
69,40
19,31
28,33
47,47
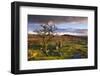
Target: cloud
56,19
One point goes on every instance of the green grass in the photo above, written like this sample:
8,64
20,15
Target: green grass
67,51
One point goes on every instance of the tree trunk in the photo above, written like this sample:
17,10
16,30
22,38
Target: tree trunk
45,46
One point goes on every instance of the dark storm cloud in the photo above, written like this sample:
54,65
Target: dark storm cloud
56,19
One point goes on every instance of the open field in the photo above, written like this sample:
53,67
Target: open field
60,47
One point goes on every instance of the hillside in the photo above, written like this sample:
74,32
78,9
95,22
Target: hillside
70,47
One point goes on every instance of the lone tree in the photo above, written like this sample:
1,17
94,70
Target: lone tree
46,32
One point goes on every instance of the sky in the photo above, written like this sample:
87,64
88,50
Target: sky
61,22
